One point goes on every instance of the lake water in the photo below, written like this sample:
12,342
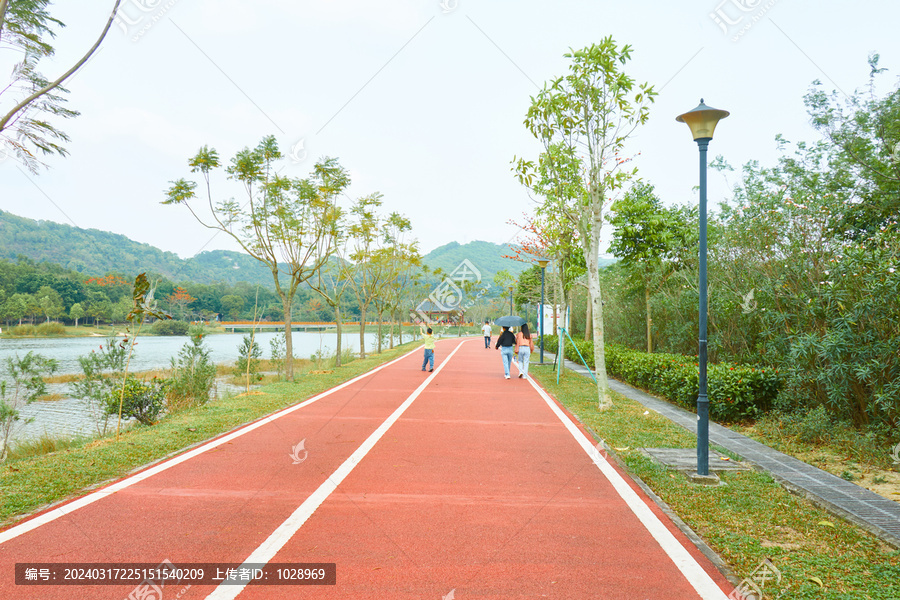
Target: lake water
69,417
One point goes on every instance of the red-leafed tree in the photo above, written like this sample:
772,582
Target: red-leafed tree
179,300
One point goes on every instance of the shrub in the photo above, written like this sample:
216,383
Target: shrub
23,330
170,328
193,374
140,400
104,372
49,329
249,354
736,392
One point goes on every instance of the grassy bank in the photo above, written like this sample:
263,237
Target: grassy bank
747,520
27,484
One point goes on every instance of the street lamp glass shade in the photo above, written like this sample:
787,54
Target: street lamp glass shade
702,120
543,262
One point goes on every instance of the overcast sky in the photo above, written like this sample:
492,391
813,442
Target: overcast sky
422,101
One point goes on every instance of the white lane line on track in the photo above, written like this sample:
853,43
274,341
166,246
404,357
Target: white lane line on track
71,507
689,567
276,541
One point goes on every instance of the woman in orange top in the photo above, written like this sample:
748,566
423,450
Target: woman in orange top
524,347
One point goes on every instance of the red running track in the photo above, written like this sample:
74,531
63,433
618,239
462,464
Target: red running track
456,484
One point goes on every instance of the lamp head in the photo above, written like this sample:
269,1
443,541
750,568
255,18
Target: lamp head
702,120
542,261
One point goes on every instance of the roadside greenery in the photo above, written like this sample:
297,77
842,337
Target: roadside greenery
804,266
736,392
749,519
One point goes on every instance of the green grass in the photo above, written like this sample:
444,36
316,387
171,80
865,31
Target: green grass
29,483
750,518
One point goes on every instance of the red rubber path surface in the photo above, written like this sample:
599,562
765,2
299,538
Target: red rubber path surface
477,490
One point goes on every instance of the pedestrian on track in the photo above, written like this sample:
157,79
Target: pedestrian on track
428,337
505,343
486,330
524,348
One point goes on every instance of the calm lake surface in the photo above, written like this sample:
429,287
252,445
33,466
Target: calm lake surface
69,417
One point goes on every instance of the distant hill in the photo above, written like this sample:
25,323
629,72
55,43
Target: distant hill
487,258
96,253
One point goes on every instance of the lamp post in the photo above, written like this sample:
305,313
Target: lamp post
543,262
702,121
510,300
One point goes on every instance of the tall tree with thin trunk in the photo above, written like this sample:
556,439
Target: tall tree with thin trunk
585,118
366,269
26,28
644,236
284,223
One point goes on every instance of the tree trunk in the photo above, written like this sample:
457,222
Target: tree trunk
649,320
362,331
587,318
337,320
591,246
400,328
391,346
380,317
287,300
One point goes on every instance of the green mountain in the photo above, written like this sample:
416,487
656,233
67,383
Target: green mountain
96,253
485,256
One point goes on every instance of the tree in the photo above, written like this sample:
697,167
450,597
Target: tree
232,305
402,260
645,235
179,299
25,26
76,312
366,270
284,223
583,120
16,307
51,302
21,382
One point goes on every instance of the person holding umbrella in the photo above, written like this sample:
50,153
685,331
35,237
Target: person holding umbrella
507,340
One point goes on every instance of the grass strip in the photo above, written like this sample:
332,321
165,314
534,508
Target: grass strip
29,484
749,519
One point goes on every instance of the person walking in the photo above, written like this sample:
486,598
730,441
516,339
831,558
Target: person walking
486,330
428,338
505,343
524,348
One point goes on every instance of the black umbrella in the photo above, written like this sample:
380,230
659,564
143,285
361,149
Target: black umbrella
510,321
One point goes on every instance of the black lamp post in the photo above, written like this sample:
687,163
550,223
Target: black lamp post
543,262
702,121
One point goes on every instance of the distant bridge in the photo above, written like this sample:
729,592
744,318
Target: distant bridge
234,326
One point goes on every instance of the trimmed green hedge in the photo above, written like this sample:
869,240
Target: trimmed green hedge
736,392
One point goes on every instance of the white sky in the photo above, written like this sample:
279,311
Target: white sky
421,102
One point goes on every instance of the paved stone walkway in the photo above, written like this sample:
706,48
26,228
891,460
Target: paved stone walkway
872,512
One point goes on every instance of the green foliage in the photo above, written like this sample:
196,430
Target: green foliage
277,346
137,399
193,373
249,355
804,268
104,372
21,381
736,392
167,327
